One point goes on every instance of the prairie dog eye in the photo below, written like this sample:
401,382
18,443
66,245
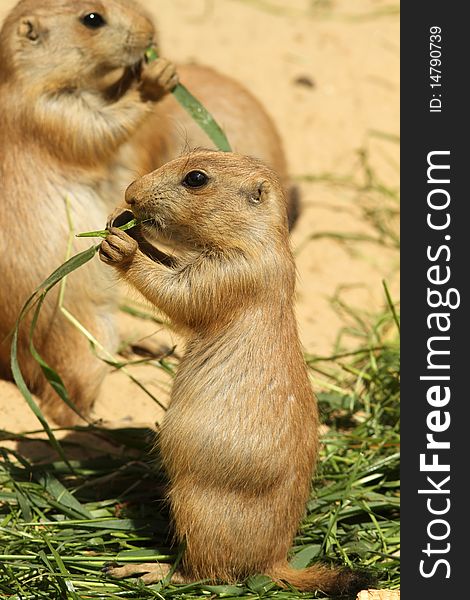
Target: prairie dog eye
195,179
93,21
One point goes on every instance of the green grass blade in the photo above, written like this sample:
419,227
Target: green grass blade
21,384
64,581
202,117
61,494
391,305
104,232
65,269
197,111
38,297
23,504
50,374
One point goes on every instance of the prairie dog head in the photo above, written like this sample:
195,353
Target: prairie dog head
73,44
211,200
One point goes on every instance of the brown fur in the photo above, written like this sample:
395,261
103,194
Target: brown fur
239,440
76,122
58,138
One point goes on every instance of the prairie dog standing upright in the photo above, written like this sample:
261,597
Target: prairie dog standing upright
239,440
81,114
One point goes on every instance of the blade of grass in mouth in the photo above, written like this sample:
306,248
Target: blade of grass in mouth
104,232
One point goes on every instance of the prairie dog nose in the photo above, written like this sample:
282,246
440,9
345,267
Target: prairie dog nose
132,193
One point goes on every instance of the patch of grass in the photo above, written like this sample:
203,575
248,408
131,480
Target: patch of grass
378,203
355,507
58,528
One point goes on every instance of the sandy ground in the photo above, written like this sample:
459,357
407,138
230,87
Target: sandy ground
328,72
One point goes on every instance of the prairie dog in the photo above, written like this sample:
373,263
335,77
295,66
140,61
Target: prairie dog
70,99
239,440
80,114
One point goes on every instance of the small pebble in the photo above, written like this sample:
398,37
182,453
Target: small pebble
305,81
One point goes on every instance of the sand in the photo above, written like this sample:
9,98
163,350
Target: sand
328,73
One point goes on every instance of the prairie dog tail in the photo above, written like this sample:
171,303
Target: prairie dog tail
340,581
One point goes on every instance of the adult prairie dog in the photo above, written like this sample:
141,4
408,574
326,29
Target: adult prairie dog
76,123
73,90
239,440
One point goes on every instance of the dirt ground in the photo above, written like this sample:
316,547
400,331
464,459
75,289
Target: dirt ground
328,73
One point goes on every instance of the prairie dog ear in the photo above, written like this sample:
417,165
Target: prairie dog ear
260,193
31,29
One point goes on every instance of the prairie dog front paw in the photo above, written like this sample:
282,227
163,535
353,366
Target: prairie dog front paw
158,78
118,249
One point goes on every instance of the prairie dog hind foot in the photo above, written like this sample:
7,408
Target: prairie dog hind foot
149,572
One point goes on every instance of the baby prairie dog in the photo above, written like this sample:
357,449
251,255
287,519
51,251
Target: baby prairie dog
239,440
81,113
